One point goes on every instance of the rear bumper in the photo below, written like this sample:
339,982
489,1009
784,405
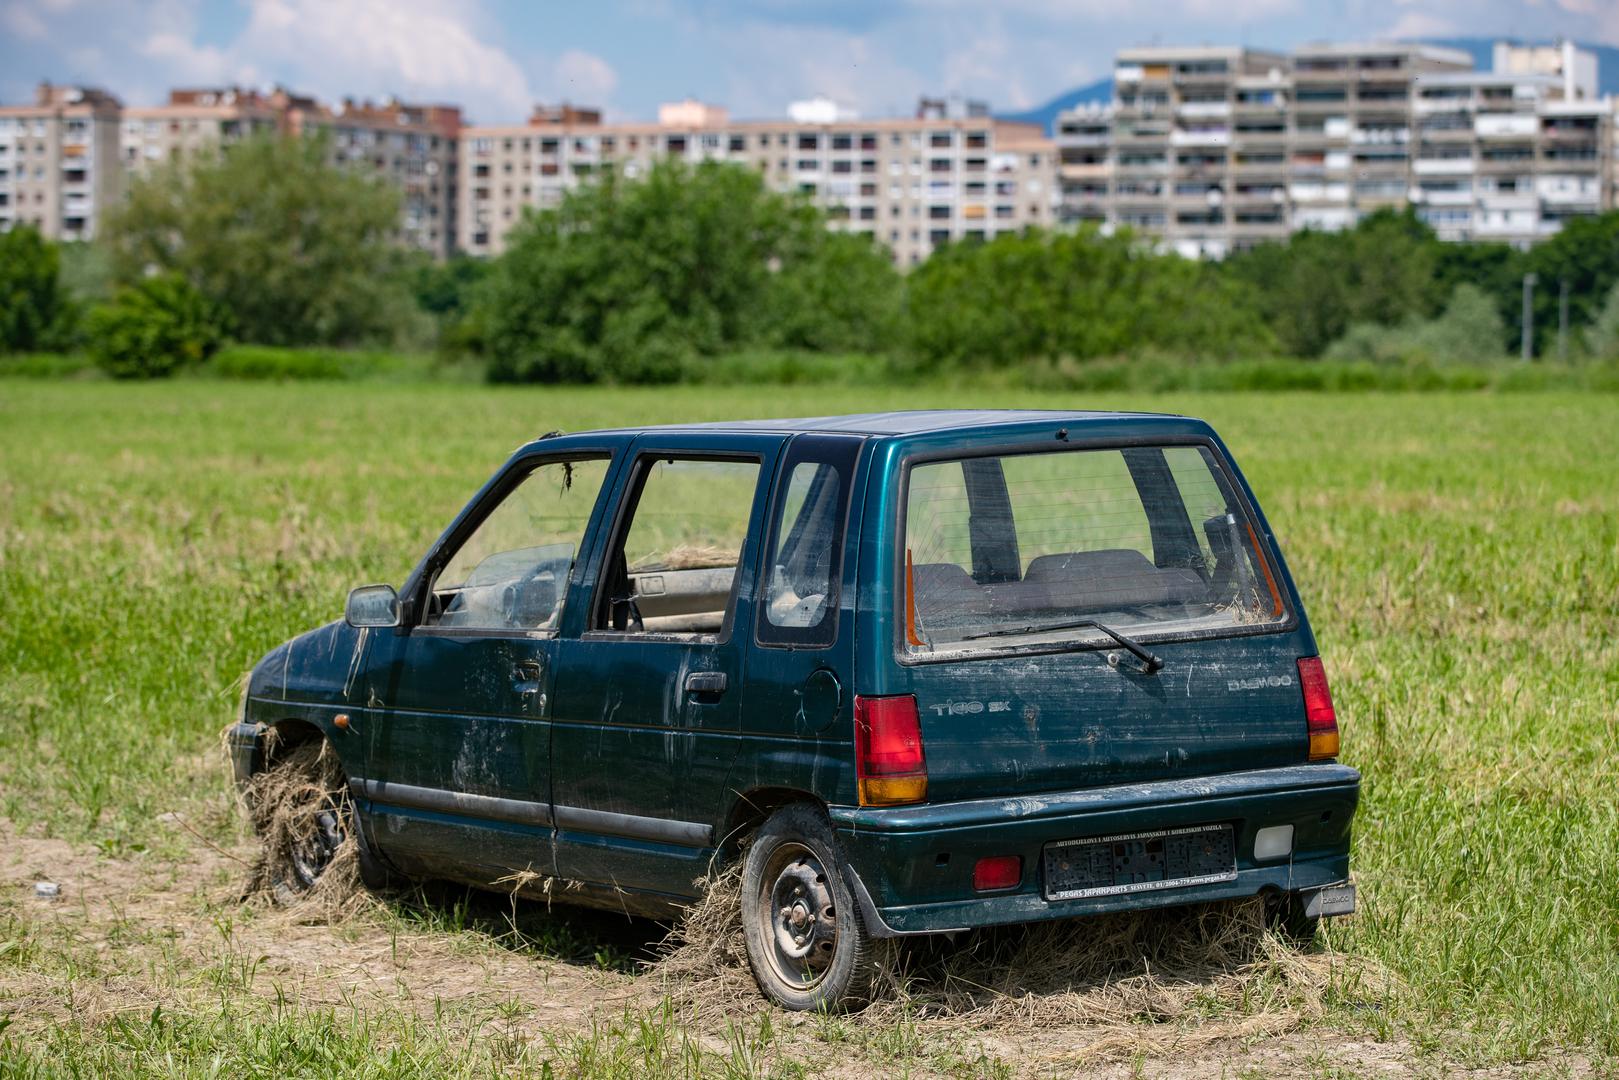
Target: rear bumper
912,866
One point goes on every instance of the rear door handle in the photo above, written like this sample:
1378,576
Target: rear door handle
529,670
706,682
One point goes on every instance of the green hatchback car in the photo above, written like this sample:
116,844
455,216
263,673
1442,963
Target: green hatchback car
917,672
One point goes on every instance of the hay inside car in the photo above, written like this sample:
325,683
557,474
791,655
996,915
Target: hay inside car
917,672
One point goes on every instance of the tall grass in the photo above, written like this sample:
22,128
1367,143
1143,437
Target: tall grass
1458,554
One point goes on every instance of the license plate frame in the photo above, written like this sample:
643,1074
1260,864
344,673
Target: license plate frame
1076,869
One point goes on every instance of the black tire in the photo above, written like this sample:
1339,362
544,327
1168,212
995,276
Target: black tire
1287,917
807,943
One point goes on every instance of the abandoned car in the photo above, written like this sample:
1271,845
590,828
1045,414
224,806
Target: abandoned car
917,672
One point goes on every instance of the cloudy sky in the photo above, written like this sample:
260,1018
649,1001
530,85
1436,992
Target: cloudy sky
495,57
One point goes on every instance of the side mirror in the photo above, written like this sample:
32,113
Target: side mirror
372,605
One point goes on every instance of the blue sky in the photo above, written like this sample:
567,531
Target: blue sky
497,56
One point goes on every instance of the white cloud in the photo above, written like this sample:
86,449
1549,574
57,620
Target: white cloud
21,21
1416,24
417,48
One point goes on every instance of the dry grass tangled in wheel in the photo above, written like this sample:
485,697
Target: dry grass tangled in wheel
1135,981
289,804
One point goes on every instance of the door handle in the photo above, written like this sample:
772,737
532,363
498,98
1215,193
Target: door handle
529,670
706,682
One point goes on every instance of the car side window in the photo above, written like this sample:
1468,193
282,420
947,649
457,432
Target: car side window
805,554
674,565
512,572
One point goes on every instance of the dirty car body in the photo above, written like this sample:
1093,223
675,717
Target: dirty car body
1025,665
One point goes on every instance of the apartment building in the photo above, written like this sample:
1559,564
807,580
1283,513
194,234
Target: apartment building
1180,156
59,160
193,121
948,173
413,148
1084,138
1213,150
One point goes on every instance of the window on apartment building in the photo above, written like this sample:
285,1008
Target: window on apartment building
894,139
843,141
894,211
807,187
1004,212
736,144
842,165
977,140
868,165
675,144
938,213
480,170
940,165
808,164
976,164
809,141
868,190
938,236
609,144
868,140
941,138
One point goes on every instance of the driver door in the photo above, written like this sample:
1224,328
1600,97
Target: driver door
460,717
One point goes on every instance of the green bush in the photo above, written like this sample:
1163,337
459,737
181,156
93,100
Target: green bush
1602,336
1080,295
1468,331
153,328
35,314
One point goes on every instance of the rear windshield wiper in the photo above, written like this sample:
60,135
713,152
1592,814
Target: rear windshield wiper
1152,660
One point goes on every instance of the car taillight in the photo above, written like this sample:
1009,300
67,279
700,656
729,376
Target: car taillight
1319,717
997,872
888,750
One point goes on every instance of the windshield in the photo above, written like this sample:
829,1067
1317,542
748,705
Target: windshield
1030,547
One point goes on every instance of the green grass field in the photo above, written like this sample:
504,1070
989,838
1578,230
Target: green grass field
1458,554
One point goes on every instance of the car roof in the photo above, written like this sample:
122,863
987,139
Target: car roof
912,422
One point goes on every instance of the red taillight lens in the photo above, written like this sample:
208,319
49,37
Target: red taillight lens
1319,716
888,750
997,872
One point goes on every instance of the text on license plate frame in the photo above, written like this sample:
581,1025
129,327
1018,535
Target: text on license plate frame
1053,853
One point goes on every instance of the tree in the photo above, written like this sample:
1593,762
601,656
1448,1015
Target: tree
632,280
33,309
1078,295
298,250
1585,254
153,328
1602,336
1311,288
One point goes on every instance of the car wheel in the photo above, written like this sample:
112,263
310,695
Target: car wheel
1286,915
807,944
304,816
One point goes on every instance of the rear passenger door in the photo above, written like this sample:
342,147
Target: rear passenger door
648,705
801,672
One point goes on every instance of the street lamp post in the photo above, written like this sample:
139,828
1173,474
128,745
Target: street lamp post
1528,316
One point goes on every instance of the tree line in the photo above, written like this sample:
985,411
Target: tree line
648,279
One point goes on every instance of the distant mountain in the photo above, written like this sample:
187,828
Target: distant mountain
1098,92
1482,50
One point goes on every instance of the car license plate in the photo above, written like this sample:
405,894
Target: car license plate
1140,862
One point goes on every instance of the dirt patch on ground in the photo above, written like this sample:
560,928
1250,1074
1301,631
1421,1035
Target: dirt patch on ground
1201,993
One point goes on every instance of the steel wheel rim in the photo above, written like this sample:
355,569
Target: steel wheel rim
797,917
312,854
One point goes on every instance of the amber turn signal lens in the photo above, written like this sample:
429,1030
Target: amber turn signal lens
341,720
892,790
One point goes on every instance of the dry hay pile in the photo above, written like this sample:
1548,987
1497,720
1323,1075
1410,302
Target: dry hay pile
1149,981
284,803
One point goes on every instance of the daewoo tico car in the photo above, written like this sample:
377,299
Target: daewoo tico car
917,672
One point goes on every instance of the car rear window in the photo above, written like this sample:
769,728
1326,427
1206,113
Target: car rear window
1013,550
